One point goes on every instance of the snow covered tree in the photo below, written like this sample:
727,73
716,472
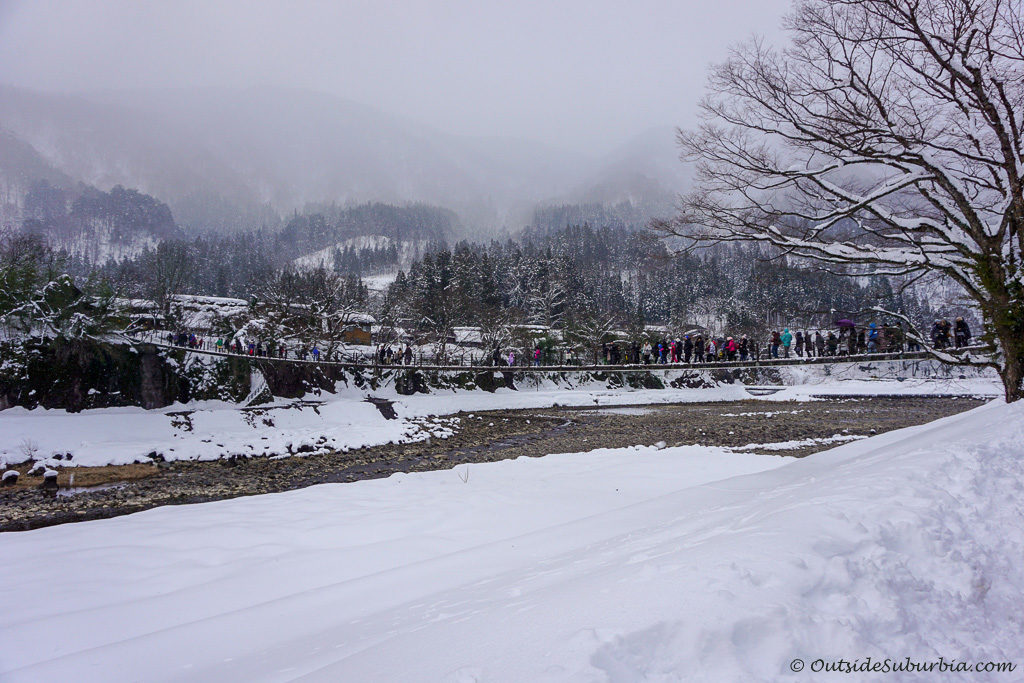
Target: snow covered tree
588,330
38,299
547,303
335,304
887,135
316,306
438,299
168,268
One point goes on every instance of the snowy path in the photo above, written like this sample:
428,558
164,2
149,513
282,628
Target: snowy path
614,565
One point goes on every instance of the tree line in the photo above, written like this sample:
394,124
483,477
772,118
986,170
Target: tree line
588,281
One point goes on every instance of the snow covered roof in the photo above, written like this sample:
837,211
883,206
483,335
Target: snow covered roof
467,335
534,329
136,305
200,312
397,332
362,319
198,300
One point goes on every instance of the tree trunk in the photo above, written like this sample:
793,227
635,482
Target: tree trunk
1006,312
1012,372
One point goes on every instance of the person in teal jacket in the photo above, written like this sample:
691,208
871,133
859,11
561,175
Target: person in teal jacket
787,340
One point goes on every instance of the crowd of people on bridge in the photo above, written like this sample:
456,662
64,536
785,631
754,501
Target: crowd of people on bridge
846,340
709,348
945,335
385,355
259,348
699,347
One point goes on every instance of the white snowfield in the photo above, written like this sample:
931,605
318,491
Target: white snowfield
116,436
212,430
679,564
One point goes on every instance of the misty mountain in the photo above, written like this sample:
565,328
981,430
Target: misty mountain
21,167
645,170
636,182
96,226
225,159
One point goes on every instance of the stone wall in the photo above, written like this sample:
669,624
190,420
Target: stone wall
84,373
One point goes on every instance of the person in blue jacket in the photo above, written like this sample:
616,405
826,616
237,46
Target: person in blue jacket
787,340
872,338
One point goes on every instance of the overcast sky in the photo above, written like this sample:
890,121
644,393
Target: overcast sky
581,73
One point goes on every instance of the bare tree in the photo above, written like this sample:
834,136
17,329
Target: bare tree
888,134
336,304
281,302
318,306
390,310
496,325
168,268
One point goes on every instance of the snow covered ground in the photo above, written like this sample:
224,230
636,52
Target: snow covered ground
116,436
917,377
971,386
325,257
688,563
210,430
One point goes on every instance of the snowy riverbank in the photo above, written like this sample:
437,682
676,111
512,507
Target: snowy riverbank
685,563
344,421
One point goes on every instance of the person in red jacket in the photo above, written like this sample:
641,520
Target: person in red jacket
730,349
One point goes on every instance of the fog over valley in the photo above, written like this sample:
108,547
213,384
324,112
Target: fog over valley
227,158
236,116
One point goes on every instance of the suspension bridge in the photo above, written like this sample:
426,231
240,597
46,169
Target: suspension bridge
474,366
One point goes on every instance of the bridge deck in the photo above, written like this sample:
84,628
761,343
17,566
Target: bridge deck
714,365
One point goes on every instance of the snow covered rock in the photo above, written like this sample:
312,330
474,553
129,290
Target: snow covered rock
10,477
49,480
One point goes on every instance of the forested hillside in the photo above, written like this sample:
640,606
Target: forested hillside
96,226
598,278
237,264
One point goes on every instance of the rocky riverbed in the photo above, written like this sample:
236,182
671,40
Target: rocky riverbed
756,426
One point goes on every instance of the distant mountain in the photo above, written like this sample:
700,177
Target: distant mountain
240,158
21,166
93,225
645,169
96,226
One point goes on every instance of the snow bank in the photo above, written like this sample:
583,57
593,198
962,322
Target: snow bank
798,443
446,403
623,565
116,436
914,377
974,386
